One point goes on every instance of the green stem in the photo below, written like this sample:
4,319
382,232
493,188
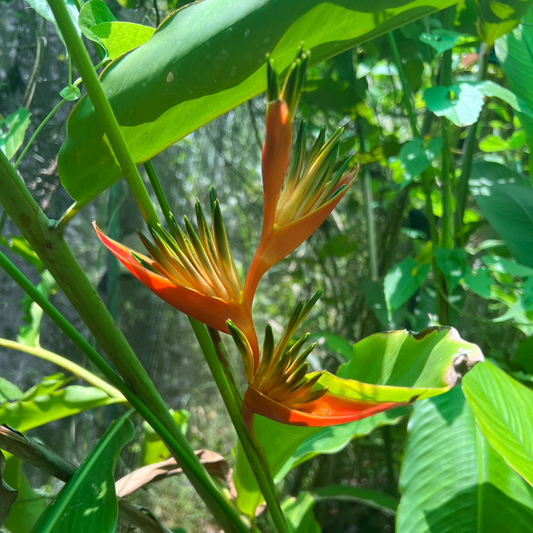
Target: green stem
470,146
159,193
47,242
37,131
407,98
61,361
103,110
264,480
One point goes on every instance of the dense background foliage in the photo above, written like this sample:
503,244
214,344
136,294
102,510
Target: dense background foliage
490,298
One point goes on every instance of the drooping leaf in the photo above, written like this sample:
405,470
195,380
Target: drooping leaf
461,104
204,60
498,18
451,478
13,131
515,54
501,405
47,402
506,199
89,496
8,495
372,498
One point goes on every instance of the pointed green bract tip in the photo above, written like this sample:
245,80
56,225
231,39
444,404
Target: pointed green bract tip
272,83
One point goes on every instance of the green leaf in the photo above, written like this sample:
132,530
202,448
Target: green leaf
375,299
502,408
333,342
371,498
42,7
500,264
461,104
506,199
515,54
491,89
153,448
8,495
498,18
333,439
16,125
33,314
289,446
416,158
451,478
479,283
524,356
47,402
70,93
422,365
402,281
492,143
204,60
91,14
29,505
339,246
22,247
452,263
442,40
89,496
299,514
8,391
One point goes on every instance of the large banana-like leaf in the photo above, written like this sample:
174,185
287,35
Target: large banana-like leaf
452,480
206,59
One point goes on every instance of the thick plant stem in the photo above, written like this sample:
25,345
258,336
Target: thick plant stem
44,238
470,145
103,110
264,480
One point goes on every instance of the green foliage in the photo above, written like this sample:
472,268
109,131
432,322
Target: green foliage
98,24
461,104
8,494
13,130
498,18
50,400
500,404
153,448
156,99
452,480
89,496
333,342
299,514
506,199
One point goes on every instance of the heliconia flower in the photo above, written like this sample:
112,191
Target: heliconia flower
300,196
282,390
194,272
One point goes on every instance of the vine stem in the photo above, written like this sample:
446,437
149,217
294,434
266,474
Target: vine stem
62,362
213,354
103,110
470,144
57,257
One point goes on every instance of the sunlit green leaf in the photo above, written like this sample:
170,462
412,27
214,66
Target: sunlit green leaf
70,93
203,61
89,496
13,131
299,514
461,104
501,405
452,480
492,143
402,281
452,263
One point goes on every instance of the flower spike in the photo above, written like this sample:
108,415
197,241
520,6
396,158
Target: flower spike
282,390
193,271
299,192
